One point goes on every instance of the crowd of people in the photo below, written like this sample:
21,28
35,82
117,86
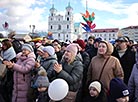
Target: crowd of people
95,70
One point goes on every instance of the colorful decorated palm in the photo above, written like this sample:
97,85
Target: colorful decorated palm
88,18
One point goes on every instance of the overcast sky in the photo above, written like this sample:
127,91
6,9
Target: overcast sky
108,13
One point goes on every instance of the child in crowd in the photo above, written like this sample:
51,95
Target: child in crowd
96,93
42,84
118,91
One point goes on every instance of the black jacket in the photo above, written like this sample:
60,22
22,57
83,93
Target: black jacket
127,61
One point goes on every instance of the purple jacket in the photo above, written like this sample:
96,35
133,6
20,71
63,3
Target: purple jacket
22,76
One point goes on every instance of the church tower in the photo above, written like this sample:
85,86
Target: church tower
62,27
52,19
69,22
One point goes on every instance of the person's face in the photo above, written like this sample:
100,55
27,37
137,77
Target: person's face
121,45
44,41
45,55
25,52
39,53
63,48
68,56
91,41
102,48
41,89
93,92
96,44
56,46
123,99
4,46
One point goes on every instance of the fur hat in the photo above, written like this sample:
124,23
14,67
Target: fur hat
118,88
73,48
96,85
28,47
49,49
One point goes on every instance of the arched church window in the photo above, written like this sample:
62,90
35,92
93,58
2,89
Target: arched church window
67,18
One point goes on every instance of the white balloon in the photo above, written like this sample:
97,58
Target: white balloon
58,89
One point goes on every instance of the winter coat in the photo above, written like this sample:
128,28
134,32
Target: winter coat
43,97
48,65
9,55
127,61
94,99
83,90
22,76
111,70
92,51
2,99
133,84
72,73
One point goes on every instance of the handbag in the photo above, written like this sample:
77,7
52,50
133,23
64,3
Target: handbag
3,70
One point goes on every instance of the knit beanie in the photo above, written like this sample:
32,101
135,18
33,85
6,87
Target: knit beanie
42,79
81,43
96,85
49,49
73,48
118,88
28,47
97,40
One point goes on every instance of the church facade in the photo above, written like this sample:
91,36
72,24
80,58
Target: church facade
62,27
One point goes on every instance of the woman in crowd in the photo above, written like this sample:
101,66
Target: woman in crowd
104,67
70,70
22,76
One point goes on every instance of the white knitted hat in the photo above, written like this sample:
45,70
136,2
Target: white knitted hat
96,85
49,49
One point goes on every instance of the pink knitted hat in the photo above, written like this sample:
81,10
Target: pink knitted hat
73,48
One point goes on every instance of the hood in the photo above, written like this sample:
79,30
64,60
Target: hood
110,48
